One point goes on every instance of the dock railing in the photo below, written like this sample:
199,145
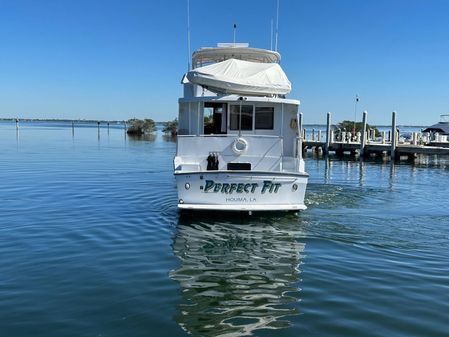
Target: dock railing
366,143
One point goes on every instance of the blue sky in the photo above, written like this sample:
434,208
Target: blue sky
122,59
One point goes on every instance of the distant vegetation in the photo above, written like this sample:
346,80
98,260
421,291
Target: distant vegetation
349,126
140,127
171,127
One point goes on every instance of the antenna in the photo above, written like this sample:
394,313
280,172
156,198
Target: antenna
235,28
277,27
188,35
271,35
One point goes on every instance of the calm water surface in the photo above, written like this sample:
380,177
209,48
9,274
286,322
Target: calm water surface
92,244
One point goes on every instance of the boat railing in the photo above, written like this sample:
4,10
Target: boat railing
263,152
297,150
227,135
204,144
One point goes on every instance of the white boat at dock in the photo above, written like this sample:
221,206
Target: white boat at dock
238,144
442,127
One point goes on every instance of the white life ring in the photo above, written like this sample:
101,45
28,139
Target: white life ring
240,146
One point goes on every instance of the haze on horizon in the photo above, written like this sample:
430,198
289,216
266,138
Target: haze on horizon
117,60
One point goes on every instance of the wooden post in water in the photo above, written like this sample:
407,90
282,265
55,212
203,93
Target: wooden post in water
393,136
328,134
73,128
415,138
17,123
363,139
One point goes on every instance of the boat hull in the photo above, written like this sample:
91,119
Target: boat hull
241,190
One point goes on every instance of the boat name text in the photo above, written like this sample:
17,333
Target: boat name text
268,186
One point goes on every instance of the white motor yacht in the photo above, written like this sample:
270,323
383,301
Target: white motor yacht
238,144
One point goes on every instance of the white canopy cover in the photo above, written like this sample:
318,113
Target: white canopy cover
242,77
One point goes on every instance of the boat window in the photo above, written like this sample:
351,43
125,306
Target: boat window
214,118
264,118
247,117
208,116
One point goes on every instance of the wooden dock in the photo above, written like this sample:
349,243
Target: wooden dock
365,144
375,148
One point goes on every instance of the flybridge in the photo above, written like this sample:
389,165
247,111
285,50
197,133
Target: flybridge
226,51
237,69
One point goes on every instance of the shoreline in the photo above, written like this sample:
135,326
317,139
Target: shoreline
87,121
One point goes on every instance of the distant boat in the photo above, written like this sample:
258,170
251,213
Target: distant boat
238,144
442,127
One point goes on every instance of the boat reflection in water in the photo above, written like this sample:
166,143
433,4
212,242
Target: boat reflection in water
237,278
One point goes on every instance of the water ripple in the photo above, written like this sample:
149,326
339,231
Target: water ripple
236,279
92,245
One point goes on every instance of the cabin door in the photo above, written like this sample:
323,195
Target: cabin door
215,118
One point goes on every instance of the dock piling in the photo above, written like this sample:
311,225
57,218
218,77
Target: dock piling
363,140
393,136
328,133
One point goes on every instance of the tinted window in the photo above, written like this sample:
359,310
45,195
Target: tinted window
247,117
264,118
